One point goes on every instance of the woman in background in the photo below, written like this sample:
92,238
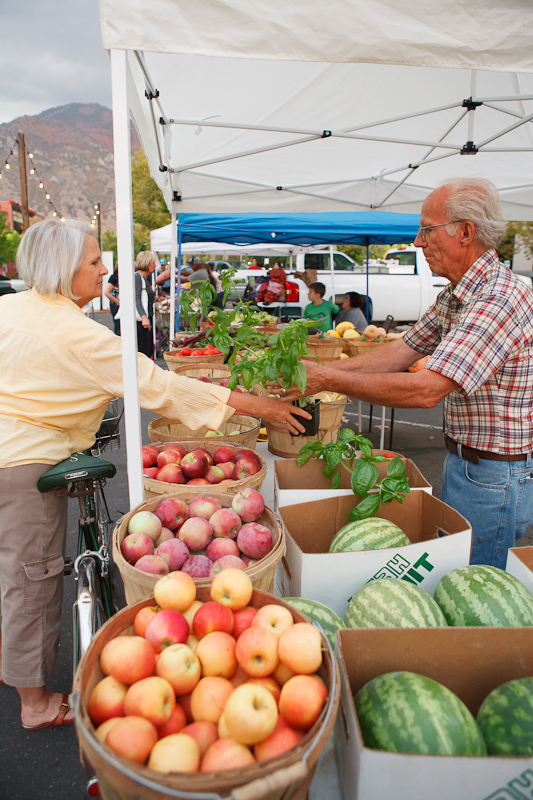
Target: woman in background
111,292
145,265
351,311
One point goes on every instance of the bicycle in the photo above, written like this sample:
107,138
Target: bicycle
87,474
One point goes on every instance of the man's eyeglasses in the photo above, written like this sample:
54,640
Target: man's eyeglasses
422,232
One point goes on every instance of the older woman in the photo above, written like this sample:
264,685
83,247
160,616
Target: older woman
351,311
145,265
59,371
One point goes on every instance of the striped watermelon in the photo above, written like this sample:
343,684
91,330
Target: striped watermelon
329,621
403,712
393,603
374,533
484,596
506,719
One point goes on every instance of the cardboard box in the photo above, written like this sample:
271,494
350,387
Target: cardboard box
294,484
469,661
309,570
520,564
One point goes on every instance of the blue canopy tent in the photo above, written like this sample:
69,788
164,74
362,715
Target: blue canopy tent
361,228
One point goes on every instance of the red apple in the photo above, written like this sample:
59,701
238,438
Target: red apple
216,652
128,658
227,469
248,504
150,472
204,733
142,618
197,566
254,540
226,753
223,454
177,753
145,522
136,545
245,453
176,722
180,667
215,475
209,697
301,701
211,617
171,473
242,620
232,588
132,738
217,548
164,536
174,552
152,564
152,698
257,651
165,628
226,562
196,532
226,522
198,482
149,455
172,513
178,448
107,700
194,465
203,507
244,467
206,453
176,591
168,457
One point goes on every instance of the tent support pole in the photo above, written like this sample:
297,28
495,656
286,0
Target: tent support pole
367,287
173,242
128,325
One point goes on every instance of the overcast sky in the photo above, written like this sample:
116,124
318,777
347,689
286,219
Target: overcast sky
51,55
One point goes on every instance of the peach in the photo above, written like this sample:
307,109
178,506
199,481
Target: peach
257,651
250,713
176,590
300,648
301,701
254,540
175,753
172,513
128,658
226,754
203,732
248,504
106,700
226,522
209,697
132,738
275,617
136,545
203,507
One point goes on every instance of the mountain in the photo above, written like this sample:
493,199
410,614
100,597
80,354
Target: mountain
72,148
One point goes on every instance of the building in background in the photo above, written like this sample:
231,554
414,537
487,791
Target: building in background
13,214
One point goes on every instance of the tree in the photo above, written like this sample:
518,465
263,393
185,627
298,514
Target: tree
9,241
358,252
149,209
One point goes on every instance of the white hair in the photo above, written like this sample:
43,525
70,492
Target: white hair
477,200
144,259
50,253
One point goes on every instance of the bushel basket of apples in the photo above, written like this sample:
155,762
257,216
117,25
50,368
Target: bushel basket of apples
206,690
199,534
193,355
198,464
240,429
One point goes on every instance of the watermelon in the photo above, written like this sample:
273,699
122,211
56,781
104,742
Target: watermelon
404,712
374,533
484,596
506,719
393,603
329,621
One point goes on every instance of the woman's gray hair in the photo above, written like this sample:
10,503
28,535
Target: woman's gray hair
49,254
477,200
144,259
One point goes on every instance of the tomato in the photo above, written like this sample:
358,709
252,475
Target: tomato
197,353
210,350
216,352
185,351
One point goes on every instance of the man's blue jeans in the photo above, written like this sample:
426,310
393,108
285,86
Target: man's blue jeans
496,497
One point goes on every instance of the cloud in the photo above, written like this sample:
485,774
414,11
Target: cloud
55,57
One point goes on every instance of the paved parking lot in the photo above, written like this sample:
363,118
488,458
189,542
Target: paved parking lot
45,765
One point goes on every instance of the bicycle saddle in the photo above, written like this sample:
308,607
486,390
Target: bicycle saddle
78,467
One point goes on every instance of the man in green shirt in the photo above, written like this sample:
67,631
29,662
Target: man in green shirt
320,310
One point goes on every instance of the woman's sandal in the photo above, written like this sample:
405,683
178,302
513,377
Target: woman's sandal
59,720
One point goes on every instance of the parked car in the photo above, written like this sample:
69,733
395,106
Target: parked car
11,285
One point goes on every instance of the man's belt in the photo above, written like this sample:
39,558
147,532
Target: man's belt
474,456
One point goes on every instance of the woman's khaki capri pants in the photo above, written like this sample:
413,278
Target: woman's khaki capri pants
32,546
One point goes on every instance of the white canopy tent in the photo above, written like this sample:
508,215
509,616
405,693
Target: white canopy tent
345,106
161,242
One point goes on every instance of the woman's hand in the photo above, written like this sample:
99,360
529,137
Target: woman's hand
145,322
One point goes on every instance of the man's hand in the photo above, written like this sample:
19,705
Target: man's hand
315,383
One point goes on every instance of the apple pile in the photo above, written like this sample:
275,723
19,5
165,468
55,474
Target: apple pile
210,350
201,538
208,686
171,463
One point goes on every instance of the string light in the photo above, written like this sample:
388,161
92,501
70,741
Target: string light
33,171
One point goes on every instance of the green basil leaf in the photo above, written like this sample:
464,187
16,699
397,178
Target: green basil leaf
336,482
233,382
368,507
365,446
247,376
328,470
364,476
396,468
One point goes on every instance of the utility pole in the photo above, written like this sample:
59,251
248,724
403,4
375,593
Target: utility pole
23,182
98,218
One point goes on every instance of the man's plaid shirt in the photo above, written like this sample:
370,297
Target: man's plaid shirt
480,334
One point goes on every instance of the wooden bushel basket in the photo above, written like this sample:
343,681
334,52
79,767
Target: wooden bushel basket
287,775
345,343
155,488
174,360
162,430
215,372
358,348
281,443
324,350
137,584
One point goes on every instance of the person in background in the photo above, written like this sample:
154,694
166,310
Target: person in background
479,338
145,265
272,290
53,408
352,311
319,310
111,292
254,264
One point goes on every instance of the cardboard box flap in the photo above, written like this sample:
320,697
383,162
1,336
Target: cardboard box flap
451,656
520,564
290,476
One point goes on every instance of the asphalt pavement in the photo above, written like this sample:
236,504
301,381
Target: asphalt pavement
45,765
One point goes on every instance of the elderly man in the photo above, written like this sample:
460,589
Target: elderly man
479,339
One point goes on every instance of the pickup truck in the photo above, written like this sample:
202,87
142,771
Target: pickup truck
401,284
11,285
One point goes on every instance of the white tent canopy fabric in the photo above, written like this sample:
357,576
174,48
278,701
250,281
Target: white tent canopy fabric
350,105
161,242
